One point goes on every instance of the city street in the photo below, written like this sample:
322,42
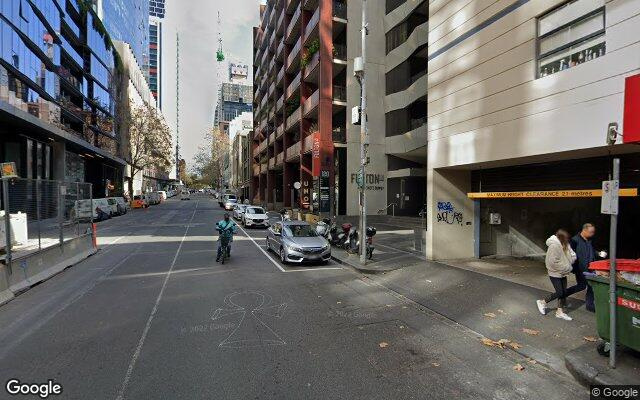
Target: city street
153,316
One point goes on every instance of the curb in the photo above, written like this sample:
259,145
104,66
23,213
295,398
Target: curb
359,268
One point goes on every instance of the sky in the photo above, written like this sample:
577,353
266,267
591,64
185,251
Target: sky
196,23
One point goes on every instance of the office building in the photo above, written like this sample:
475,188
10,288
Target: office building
240,129
56,83
520,98
127,21
154,68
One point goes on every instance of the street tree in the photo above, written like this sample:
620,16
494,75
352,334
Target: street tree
211,158
149,141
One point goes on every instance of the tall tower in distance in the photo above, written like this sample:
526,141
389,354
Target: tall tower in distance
156,17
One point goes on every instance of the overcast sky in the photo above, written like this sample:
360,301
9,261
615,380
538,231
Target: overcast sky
196,22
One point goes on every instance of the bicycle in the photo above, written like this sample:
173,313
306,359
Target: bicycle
224,240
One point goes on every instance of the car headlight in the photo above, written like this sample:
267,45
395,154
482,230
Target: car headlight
296,249
325,247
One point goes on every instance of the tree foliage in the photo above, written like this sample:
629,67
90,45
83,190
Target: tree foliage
209,161
149,140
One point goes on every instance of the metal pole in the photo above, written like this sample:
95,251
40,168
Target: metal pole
61,213
76,207
364,140
38,205
612,274
7,222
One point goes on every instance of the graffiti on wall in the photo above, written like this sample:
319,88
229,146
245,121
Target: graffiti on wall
448,214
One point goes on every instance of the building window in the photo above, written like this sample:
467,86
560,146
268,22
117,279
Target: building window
570,35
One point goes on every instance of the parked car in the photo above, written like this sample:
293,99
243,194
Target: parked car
117,208
98,209
222,200
139,201
163,195
238,210
255,216
185,195
230,203
154,198
122,203
297,242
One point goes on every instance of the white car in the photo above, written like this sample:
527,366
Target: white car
230,203
163,195
238,211
118,206
255,216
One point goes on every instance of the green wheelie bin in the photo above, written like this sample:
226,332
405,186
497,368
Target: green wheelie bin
628,312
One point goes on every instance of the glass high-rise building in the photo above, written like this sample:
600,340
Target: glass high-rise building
154,67
127,21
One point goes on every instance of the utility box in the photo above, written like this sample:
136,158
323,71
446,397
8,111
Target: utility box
19,233
495,219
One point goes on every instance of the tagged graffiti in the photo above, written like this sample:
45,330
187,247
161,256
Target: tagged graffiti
447,213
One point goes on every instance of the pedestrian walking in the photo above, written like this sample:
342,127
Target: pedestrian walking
583,247
559,262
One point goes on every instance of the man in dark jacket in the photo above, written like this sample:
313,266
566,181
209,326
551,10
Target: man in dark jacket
581,244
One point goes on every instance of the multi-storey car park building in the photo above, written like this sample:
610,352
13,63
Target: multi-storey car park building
300,104
519,100
56,85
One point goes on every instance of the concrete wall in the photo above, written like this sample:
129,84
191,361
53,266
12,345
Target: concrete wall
487,106
36,267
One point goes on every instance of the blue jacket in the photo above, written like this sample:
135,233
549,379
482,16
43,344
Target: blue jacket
584,250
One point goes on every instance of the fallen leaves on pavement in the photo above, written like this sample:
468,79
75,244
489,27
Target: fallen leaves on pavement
518,367
383,344
590,339
515,345
489,315
531,332
435,364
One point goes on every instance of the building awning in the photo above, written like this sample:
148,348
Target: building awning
548,194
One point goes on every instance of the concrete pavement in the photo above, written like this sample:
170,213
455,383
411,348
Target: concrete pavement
153,316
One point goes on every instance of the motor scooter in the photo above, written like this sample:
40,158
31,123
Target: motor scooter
333,236
354,241
322,228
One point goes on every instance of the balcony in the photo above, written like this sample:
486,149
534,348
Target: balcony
290,5
294,24
280,103
339,10
339,135
280,24
308,143
312,25
272,163
279,131
311,103
272,41
280,50
339,94
294,55
294,118
262,146
264,168
280,159
256,151
280,75
272,88
340,52
294,85
293,152
311,70
256,169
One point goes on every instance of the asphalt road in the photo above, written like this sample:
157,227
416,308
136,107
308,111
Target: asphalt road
153,316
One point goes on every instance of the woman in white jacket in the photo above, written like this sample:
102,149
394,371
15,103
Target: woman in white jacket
559,260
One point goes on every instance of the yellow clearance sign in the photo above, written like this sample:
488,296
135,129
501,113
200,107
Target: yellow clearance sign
548,194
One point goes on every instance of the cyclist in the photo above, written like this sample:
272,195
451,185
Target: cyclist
226,228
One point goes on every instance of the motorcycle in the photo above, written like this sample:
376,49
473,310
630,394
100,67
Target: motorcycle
322,228
333,236
284,215
354,242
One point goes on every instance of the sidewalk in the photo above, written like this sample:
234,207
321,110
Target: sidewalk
497,308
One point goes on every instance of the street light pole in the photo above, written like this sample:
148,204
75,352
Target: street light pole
364,138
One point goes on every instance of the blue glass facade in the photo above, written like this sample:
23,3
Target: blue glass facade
128,21
56,66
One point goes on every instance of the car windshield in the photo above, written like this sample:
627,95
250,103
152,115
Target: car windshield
254,210
300,231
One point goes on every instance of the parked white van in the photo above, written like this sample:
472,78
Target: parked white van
118,205
83,210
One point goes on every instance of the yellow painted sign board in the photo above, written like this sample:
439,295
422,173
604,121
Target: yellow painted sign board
9,170
548,194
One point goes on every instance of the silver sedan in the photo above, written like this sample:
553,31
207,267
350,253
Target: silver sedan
238,210
297,242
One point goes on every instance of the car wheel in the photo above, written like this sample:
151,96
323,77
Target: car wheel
283,258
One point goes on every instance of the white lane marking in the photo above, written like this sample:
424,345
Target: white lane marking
262,250
138,350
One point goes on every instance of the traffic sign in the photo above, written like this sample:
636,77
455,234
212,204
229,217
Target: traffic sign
610,195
